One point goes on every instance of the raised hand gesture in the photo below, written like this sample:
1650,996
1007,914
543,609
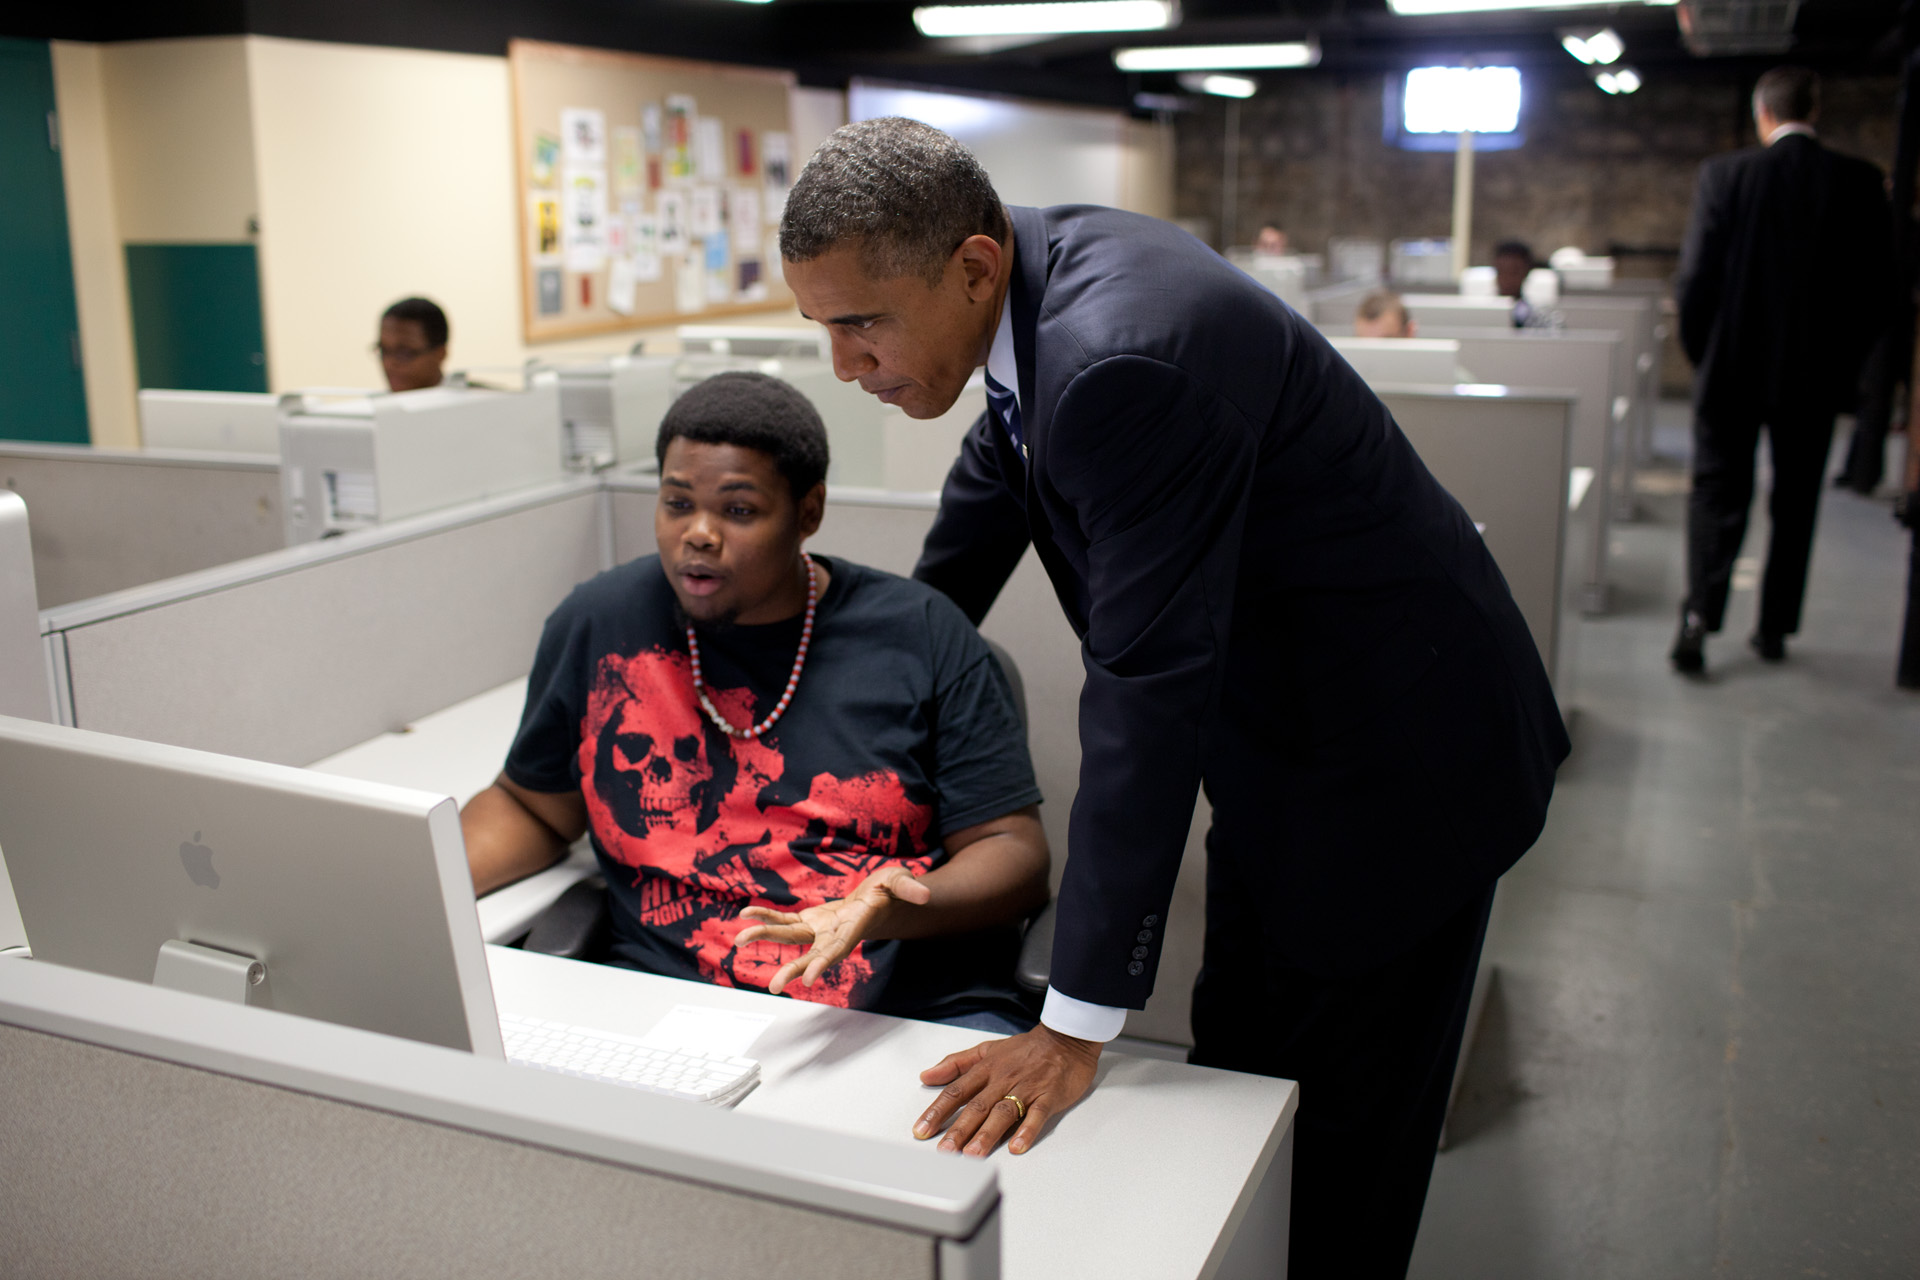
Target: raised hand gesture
831,930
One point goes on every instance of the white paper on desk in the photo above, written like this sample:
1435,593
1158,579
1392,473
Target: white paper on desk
721,1033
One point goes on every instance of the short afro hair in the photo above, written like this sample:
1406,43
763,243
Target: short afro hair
425,313
752,411
904,193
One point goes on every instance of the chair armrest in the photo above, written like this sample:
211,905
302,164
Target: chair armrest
578,924
1036,953
509,911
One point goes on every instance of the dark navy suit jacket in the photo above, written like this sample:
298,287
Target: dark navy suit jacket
1785,280
1273,596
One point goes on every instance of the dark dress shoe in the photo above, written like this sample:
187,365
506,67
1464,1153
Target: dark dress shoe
1770,648
1690,646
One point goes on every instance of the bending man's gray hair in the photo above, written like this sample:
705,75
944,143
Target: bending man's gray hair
903,193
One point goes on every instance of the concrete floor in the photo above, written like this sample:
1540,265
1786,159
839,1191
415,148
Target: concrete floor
1701,1053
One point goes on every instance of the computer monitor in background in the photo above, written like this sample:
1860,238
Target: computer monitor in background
351,461
352,897
217,421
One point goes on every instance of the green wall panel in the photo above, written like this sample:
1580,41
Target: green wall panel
196,316
42,393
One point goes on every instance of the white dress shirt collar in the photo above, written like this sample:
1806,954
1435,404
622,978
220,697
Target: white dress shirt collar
1001,365
1791,126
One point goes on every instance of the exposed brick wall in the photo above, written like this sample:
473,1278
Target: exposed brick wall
1594,171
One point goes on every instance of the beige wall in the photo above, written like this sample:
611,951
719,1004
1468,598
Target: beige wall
182,140
383,172
156,147
1146,168
93,228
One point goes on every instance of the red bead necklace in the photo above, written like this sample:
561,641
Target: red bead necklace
793,681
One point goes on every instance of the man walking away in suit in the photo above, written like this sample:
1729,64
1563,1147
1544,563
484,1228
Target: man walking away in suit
1274,597
1777,326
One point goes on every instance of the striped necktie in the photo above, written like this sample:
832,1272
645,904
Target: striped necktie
1006,407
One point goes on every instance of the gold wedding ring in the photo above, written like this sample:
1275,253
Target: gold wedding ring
1016,1105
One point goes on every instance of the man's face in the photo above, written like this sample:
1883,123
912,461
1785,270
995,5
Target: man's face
730,533
1510,272
909,343
405,357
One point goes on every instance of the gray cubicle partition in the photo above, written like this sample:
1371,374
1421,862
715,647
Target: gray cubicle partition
1336,303
106,519
24,686
1635,314
257,658
1503,453
155,1133
1587,362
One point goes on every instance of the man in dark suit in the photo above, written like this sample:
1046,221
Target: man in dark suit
1784,282
1275,599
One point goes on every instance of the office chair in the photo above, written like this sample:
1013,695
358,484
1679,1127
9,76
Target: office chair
579,924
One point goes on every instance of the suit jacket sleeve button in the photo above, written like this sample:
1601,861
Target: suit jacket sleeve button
1139,953
1151,921
1145,935
1136,969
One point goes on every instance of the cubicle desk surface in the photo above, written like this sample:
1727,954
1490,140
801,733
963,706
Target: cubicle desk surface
458,752
1150,1176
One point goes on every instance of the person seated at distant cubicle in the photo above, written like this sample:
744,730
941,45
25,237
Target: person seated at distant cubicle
1271,240
413,344
1512,261
800,775
1383,314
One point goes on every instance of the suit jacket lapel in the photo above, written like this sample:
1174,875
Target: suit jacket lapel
1028,290
1029,287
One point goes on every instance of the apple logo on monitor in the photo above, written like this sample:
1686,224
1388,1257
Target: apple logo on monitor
197,858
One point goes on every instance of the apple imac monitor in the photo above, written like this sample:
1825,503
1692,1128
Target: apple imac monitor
216,421
311,894
809,343
610,410
351,461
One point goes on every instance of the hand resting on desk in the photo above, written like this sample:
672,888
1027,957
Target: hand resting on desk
1048,1072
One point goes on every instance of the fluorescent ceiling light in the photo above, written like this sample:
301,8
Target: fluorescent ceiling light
1623,80
1217,57
1463,100
1595,48
1053,18
1220,86
1420,7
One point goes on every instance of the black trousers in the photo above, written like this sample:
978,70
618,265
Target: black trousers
1374,1056
1723,464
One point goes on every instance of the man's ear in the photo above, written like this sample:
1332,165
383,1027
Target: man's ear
982,260
813,509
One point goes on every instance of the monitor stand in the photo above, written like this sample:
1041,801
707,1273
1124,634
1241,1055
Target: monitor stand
208,971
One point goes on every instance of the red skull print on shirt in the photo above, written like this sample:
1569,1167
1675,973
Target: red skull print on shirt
696,815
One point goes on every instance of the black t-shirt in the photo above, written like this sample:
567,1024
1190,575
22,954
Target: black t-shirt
902,728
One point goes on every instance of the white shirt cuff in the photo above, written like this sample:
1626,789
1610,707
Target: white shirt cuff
1081,1020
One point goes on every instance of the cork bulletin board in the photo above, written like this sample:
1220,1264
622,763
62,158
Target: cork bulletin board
650,189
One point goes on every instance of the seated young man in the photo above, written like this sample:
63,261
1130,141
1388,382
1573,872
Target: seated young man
801,775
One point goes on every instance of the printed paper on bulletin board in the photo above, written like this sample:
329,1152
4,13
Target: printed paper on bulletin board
650,188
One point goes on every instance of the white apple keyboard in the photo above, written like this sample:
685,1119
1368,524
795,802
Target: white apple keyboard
612,1058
